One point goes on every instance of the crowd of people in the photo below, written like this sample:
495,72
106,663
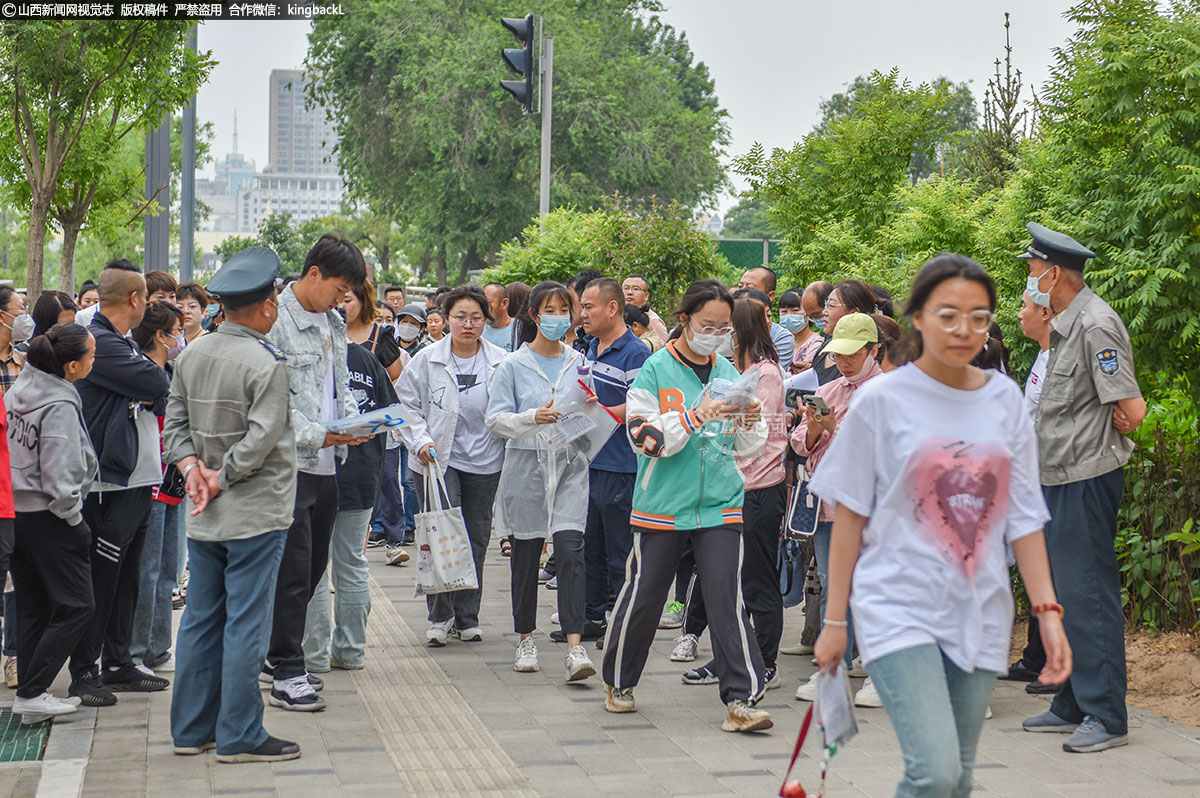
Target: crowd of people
170,446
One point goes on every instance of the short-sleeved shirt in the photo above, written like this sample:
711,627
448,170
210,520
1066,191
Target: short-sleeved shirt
785,345
500,336
474,450
358,477
1035,380
1090,369
613,371
945,477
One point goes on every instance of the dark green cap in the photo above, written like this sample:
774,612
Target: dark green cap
250,270
1057,248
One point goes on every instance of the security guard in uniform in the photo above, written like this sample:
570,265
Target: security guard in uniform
1090,401
228,431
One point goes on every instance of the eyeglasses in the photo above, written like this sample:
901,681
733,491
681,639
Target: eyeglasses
713,330
467,321
978,321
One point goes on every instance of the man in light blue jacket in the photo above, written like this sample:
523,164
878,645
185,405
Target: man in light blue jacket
312,336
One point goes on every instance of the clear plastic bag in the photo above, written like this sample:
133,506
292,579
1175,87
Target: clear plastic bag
736,395
583,428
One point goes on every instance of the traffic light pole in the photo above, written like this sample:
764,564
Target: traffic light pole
547,66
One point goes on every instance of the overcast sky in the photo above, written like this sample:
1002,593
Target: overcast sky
772,60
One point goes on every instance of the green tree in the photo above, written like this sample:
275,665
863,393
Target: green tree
832,191
749,219
660,241
426,135
992,149
1121,166
75,90
954,119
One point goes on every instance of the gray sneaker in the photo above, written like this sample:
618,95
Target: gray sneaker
1091,736
1048,723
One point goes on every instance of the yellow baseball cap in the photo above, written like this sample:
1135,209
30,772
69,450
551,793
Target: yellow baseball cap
852,332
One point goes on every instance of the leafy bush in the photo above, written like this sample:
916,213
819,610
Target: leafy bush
1157,538
659,241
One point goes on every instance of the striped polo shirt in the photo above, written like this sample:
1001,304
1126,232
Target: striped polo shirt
612,374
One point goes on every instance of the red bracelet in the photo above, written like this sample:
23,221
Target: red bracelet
1038,609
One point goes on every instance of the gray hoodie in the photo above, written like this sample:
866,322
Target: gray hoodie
53,463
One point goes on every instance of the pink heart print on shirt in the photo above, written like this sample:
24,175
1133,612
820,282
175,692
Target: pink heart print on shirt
960,496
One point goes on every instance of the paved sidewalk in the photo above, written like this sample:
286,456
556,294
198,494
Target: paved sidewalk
458,721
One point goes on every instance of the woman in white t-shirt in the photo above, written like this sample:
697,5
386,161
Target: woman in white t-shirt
444,391
933,470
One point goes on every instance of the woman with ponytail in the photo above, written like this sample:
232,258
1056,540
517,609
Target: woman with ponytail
53,466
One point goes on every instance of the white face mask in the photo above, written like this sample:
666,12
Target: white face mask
1032,286
407,331
705,344
22,327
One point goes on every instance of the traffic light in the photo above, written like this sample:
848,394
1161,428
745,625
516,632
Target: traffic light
520,60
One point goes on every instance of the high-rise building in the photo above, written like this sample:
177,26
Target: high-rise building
302,139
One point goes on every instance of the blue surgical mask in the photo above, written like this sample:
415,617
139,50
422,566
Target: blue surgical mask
819,323
554,327
793,322
1038,296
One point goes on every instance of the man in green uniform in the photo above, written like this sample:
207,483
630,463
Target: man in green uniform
228,431
1090,402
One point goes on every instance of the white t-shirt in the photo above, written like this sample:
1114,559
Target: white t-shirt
326,459
945,477
1033,384
474,449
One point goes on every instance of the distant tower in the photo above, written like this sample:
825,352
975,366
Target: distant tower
235,149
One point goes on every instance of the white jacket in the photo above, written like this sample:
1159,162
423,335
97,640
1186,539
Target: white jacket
428,392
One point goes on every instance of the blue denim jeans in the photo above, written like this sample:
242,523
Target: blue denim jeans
410,493
937,711
341,633
160,555
223,642
389,507
821,540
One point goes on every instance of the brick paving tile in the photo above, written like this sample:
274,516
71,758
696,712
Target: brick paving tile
458,721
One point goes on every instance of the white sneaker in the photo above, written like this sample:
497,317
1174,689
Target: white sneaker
868,696
857,671
526,658
552,583
438,631
773,680
554,619
988,716
167,665
798,649
808,690
685,648
396,555
472,634
35,710
579,664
